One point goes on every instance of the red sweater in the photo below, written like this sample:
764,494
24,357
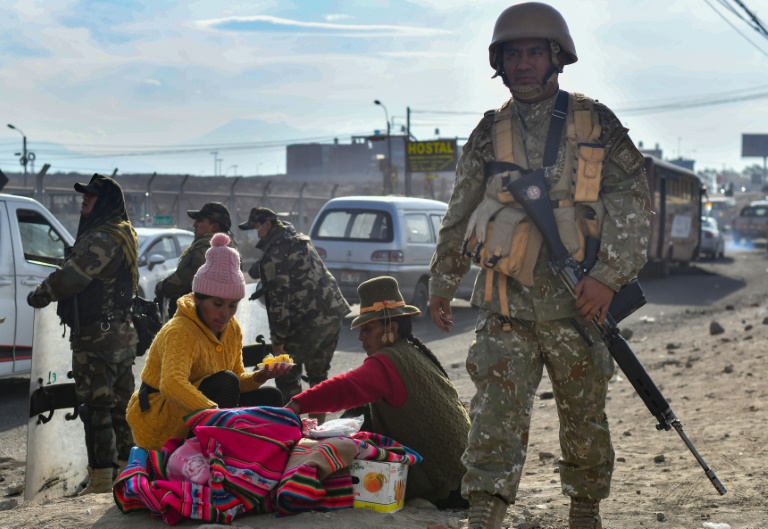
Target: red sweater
376,379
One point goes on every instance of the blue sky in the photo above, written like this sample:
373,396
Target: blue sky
166,83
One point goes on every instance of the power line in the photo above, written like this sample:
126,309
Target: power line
116,151
683,105
758,48
757,24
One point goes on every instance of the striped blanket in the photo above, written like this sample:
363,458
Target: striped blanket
258,463
247,448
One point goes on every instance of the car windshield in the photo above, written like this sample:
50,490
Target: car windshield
755,211
354,224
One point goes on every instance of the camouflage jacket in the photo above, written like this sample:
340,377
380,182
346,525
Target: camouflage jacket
300,291
180,281
625,230
96,255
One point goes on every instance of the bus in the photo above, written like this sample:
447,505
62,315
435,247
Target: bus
676,204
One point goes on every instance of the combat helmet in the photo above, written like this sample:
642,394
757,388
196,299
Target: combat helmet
531,20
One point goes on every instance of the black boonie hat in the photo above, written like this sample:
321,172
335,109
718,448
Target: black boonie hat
258,215
215,211
96,186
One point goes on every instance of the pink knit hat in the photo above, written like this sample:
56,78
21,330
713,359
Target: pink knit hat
220,276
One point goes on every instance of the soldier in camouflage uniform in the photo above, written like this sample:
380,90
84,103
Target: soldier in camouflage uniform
524,326
211,219
94,288
304,304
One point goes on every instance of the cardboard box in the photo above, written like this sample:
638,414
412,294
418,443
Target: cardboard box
378,486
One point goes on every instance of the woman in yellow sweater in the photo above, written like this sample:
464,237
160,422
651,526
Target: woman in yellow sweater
195,361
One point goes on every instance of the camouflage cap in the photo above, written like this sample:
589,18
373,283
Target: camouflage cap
97,185
258,216
215,211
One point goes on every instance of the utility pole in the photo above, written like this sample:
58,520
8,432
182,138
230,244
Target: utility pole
388,165
215,162
405,150
24,155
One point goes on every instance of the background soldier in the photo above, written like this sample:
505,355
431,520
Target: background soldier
212,218
304,304
94,287
597,183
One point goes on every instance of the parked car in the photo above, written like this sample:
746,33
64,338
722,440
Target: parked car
159,252
362,237
712,239
32,245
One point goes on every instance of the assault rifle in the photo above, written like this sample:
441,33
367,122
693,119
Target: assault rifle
530,191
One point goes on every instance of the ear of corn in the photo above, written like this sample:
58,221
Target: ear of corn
270,359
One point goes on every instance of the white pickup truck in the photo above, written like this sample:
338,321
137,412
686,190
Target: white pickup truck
32,245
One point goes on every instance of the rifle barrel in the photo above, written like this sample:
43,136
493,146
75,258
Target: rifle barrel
531,192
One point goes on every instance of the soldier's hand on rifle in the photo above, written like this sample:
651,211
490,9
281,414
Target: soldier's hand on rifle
440,309
593,298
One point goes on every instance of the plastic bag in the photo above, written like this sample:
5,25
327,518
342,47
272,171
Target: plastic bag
337,428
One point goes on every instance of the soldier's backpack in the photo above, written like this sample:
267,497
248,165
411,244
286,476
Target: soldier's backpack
147,321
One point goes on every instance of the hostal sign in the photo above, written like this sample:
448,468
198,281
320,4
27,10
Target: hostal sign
432,156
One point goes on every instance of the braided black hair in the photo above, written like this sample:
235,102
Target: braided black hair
405,330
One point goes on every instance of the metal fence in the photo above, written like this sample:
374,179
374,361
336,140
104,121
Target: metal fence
163,200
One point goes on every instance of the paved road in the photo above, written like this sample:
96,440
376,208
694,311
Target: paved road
706,284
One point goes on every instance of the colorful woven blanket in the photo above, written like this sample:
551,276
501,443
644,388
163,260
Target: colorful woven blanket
258,463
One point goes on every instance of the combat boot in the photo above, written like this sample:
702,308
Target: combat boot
485,511
584,514
99,481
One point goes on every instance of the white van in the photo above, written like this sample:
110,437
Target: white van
32,243
362,237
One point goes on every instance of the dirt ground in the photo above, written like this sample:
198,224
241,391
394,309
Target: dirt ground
713,383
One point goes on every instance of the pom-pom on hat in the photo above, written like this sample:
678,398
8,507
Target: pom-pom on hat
220,276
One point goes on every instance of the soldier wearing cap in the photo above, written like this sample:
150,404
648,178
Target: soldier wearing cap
304,304
94,288
211,219
596,179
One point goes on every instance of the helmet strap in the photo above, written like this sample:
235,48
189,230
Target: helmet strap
533,92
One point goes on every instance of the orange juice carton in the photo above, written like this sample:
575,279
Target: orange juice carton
378,486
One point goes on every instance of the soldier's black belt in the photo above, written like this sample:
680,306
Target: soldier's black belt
145,390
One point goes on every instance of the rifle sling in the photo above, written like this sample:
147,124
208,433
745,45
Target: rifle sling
555,132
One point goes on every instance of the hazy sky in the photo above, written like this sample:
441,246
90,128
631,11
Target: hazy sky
166,83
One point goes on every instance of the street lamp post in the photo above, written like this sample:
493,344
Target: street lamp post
24,158
388,172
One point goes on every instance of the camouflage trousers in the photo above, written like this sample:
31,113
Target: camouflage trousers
104,383
506,368
313,350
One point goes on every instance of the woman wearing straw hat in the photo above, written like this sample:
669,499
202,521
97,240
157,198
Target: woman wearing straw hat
411,398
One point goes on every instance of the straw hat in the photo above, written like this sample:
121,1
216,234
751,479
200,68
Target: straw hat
380,299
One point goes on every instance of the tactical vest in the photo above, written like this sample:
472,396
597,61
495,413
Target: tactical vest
95,296
499,236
